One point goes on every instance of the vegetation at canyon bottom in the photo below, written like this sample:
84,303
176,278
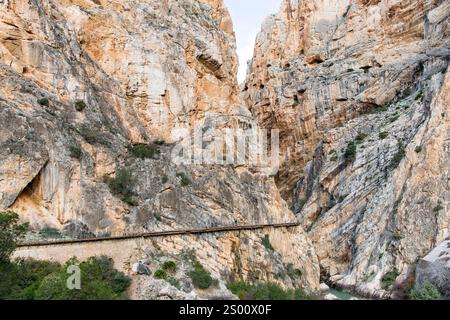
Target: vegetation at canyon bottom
29,279
267,291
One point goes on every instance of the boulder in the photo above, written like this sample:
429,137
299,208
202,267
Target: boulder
435,268
140,268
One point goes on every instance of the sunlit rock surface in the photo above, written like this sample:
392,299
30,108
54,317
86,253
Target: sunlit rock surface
360,93
83,81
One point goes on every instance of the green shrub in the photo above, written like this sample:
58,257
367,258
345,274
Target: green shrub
75,152
331,204
174,282
266,242
121,183
164,179
201,278
169,266
43,280
11,233
360,138
380,109
25,278
419,95
91,135
122,186
266,291
130,200
438,208
99,281
350,151
388,279
50,233
418,149
144,151
44,102
80,105
427,292
398,156
383,135
185,181
160,274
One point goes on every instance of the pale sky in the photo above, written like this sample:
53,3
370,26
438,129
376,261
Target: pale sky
248,16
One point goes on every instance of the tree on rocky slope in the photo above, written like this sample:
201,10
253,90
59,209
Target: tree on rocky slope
11,232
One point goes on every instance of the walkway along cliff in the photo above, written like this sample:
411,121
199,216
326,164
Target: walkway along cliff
97,95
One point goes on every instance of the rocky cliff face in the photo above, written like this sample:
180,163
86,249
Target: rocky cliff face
98,97
360,92
95,97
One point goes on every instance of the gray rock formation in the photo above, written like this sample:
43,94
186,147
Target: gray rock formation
435,269
360,92
95,98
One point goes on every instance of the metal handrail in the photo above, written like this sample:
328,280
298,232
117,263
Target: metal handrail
156,234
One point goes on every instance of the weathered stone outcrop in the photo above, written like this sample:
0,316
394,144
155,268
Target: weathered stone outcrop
435,269
84,81
359,91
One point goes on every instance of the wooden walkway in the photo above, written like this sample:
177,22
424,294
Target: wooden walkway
157,234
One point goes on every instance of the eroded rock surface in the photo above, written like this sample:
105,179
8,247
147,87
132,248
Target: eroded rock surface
85,81
358,89
360,93
435,269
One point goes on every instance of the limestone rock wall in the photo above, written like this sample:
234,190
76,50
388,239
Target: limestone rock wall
359,90
143,69
83,80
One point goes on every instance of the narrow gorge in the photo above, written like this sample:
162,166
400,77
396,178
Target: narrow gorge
110,113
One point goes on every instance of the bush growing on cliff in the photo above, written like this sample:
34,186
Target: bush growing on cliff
160,274
439,207
401,153
80,105
169,266
143,151
266,291
427,292
92,135
360,137
44,102
174,282
266,242
122,186
50,233
185,181
388,279
201,278
76,152
350,151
